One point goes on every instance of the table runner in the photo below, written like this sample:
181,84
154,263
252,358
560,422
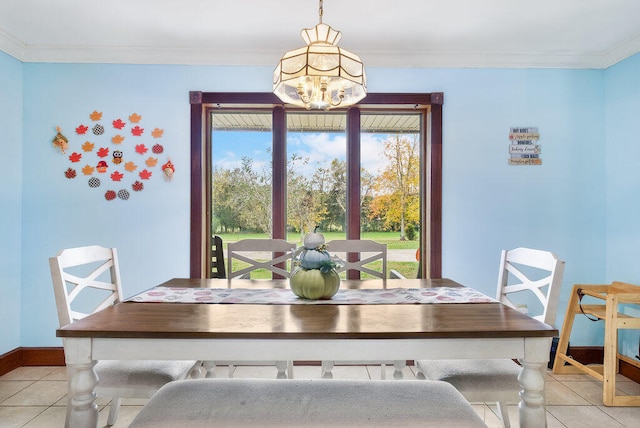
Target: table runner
283,296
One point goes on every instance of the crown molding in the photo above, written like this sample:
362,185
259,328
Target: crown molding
401,59
12,46
623,51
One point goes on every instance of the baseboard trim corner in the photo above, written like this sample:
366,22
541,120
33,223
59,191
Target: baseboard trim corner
27,357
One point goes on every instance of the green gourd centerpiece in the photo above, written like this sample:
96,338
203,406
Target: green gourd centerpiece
315,278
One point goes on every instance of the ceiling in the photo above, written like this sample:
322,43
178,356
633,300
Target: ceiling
393,33
317,122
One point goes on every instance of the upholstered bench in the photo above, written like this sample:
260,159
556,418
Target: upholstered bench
306,403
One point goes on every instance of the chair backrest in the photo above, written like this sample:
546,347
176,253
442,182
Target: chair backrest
368,251
217,258
539,272
75,270
270,254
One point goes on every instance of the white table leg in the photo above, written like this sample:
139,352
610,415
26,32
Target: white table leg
325,371
209,368
398,369
282,367
82,411
531,408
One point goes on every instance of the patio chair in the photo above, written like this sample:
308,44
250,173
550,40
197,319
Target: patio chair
522,270
93,273
217,258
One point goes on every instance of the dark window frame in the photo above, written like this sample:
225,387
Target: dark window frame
431,148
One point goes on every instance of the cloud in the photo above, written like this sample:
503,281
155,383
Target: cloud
318,148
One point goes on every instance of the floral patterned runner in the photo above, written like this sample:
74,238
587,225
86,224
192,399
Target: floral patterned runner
281,296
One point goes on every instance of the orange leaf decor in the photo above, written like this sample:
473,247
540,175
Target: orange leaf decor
99,156
117,176
151,162
118,139
118,124
141,148
145,174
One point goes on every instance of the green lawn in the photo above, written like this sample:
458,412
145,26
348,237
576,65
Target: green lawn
392,239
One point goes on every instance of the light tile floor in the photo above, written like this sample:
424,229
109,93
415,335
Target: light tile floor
35,397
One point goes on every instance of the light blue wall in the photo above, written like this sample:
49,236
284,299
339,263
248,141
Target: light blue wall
151,229
487,204
623,180
10,201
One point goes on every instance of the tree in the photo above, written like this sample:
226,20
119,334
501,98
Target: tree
336,197
398,185
253,196
224,216
304,207
242,198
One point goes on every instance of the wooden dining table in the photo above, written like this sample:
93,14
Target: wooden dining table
305,332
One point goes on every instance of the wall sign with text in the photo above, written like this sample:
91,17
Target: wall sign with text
524,147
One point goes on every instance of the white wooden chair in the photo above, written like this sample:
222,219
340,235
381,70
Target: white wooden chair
367,251
523,271
269,254
275,255
92,272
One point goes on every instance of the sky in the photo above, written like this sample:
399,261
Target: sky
229,147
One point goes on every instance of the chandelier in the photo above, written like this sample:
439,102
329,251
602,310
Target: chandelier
320,75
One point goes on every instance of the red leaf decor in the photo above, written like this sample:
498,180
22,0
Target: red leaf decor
117,176
141,148
119,124
107,158
145,174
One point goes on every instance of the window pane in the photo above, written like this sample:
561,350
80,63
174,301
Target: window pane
241,177
390,186
316,174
